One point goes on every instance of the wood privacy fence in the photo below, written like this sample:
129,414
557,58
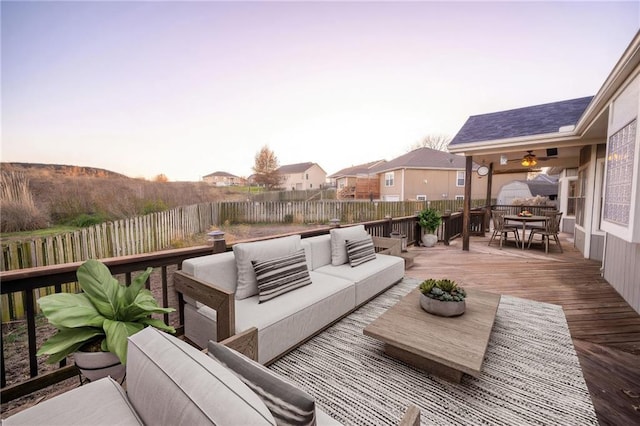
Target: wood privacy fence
159,231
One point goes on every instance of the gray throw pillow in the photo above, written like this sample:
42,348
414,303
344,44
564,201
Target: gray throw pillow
281,275
360,251
288,404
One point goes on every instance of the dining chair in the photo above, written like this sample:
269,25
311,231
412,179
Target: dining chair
551,229
499,228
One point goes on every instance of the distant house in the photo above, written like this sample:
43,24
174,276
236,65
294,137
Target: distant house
302,176
222,179
357,182
426,174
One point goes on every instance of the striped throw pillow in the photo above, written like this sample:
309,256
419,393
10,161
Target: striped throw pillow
281,275
360,251
288,404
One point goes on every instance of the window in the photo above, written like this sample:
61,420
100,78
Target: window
388,179
310,185
460,197
581,193
307,176
460,178
571,198
421,198
619,179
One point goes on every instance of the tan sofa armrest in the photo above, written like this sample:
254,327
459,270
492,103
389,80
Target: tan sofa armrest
392,246
217,298
246,343
411,417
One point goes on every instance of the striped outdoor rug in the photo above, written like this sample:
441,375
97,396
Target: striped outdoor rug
531,374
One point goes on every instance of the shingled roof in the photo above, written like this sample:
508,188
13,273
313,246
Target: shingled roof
360,169
221,174
532,120
423,158
294,168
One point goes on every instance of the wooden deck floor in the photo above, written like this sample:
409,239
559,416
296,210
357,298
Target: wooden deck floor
604,328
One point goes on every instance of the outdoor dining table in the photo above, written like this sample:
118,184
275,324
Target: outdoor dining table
524,220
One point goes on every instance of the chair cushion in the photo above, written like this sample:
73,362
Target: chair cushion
281,275
288,404
170,382
102,402
259,250
339,239
360,251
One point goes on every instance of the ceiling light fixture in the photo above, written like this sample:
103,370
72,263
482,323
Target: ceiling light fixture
529,160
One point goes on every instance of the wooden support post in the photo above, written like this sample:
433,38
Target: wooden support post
487,203
466,213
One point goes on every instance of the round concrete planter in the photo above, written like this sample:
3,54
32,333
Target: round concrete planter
429,240
440,308
96,365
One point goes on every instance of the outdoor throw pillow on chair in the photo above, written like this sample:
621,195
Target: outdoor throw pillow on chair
288,404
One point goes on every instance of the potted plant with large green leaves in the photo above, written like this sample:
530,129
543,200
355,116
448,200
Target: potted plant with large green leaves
96,322
429,220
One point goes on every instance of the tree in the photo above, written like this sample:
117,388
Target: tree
435,141
265,168
161,178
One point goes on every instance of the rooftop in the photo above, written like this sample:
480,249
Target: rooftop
527,121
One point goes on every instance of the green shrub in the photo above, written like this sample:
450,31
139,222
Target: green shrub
85,220
154,206
288,218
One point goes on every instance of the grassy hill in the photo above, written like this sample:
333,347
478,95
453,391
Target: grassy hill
34,196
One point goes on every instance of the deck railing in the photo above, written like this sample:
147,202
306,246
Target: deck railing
31,281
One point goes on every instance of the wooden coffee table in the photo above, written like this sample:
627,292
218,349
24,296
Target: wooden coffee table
447,347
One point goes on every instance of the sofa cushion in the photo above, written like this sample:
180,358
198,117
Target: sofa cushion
370,278
281,275
339,237
292,317
320,250
288,404
171,382
102,402
219,269
360,251
259,250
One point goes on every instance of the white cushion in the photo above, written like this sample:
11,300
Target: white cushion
259,250
170,382
102,402
290,318
339,236
320,250
370,278
219,269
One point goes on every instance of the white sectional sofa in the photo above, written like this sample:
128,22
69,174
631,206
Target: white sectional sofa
219,303
169,382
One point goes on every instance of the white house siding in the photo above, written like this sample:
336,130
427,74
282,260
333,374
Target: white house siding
622,249
622,269
512,191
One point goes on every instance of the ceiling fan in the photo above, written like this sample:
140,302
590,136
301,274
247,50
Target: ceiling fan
530,159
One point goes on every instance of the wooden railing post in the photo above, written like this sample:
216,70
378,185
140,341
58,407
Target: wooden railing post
388,227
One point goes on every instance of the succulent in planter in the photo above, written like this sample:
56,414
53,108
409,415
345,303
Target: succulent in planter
444,289
103,315
442,297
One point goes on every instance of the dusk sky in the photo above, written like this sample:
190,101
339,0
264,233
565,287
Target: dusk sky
189,88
